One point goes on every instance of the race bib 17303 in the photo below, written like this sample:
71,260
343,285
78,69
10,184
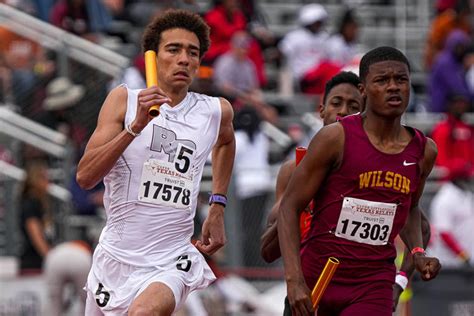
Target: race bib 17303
366,221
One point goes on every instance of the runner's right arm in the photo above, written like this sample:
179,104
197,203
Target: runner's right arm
109,139
324,153
269,245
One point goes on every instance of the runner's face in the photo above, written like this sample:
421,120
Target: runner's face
344,99
387,88
178,58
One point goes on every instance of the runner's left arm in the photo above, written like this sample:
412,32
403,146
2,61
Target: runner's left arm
407,264
407,267
411,234
223,154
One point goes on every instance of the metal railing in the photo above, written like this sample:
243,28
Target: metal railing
18,174
62,42
19,129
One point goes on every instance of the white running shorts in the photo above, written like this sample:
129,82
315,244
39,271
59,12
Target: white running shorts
112,286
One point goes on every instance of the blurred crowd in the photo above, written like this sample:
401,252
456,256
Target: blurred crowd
242,49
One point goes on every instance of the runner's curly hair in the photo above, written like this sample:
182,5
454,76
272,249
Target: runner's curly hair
171,19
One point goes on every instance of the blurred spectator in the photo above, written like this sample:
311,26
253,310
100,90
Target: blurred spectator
45,70
19,58
469,66
80,17
236,78
452,216
443,5
117,8
251,12
61,96
190,5
204,83
253,180
454,137
26,6
256,23
449,18
99,15
304,50
42,8
141,12
86,202
6,95
225,19
6,155
67,264
133,76
234,73
341,47
71,16
448,75
35,217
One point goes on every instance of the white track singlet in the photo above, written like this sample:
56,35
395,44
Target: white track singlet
151,192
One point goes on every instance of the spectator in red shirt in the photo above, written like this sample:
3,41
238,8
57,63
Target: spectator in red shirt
225,19
454,137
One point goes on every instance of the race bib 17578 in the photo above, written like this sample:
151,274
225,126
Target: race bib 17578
162,184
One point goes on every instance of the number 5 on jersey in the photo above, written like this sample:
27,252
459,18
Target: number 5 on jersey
183,160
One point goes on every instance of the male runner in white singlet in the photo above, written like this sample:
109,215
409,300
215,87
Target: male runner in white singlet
145,263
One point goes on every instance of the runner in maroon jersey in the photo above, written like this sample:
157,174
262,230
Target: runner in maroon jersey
341,98
366,174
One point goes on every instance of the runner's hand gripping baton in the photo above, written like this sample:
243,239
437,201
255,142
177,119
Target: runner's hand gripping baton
151,78
323,281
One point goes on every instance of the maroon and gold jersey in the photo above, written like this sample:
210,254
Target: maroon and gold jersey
361,207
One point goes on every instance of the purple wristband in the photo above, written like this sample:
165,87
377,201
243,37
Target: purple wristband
218,199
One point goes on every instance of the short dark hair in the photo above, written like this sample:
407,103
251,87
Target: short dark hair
379,54
171,19
342,77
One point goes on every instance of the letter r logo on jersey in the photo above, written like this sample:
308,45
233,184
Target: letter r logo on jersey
164,140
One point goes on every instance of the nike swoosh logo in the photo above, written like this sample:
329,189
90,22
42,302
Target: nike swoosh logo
405,163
